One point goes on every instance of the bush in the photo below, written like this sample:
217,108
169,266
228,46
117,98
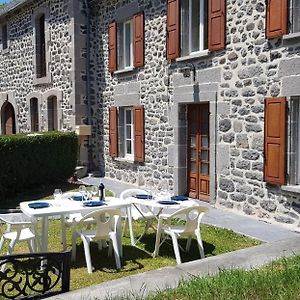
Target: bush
28,161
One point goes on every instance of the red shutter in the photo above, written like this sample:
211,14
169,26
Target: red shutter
112,47
275,135
276,18
216,24
139,144
113,131
173,29
138,40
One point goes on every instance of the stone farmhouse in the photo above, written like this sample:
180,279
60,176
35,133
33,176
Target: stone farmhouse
199,95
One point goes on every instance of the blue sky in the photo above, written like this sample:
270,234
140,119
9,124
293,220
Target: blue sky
4,1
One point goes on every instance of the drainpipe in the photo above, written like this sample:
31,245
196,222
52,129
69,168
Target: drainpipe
88,83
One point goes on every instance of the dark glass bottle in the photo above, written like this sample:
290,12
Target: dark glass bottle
101,192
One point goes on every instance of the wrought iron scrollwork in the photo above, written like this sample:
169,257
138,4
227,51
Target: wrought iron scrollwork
39,274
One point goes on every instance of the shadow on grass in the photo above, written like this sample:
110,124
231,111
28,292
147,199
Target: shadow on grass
104,263
166,249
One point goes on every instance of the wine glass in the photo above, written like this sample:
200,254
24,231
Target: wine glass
82,191
57,194
94,190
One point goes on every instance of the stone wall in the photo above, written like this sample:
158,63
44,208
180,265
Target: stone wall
234,81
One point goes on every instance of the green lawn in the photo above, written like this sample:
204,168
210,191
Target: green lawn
279,280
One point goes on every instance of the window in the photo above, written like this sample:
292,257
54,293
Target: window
125,47
294,142
40,54
34,115
126,126
294,16
126,133
193,26
4,37
52,113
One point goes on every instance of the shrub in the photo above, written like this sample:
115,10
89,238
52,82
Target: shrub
27,161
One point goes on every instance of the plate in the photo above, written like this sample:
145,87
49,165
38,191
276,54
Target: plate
36,205
167,202
93,203
180,198
143,197
76,198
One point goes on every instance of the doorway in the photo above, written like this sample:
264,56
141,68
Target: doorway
198,151
8,117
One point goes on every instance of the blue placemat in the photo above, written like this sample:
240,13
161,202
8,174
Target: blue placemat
167,202
93,203
76,198
36,205
180,198
143,197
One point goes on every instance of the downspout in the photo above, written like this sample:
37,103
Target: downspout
88,84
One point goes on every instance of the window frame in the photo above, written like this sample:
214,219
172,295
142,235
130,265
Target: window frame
4,42
203,25
129,156
291,15
122,40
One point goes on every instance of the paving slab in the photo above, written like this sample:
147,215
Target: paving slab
150,282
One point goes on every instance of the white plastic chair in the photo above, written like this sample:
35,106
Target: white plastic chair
19,228
192,217
108,228
139,211
71,220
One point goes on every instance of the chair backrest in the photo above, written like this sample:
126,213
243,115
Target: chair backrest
15,219
135,213
132,192
107,220
192,217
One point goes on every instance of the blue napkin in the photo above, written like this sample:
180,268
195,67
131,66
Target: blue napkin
143,197
167,202
180,198
36,205
93,203
77,198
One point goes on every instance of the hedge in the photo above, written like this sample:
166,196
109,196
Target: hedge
30,160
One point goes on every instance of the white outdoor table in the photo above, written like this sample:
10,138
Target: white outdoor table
64,207
156,209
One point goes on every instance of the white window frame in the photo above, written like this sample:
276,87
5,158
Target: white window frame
187,28
128,155
124,46
292,12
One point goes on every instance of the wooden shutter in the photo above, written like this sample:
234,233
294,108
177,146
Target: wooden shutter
173,29
216,24
138,40
275,140
139,144
112,47
113,131
276,18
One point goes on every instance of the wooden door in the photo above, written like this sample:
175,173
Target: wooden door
198,151
9,120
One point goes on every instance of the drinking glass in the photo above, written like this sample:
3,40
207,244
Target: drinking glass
94,190
57,194
82,191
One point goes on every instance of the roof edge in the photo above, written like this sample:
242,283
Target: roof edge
13,5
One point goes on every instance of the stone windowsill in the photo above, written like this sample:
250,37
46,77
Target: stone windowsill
5,51
200,54
125,159
292,36
42,80
130,69
291,188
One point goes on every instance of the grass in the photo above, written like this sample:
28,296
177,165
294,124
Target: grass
136,259
279,280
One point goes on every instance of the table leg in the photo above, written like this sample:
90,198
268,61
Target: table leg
44,247
129,217
63,232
